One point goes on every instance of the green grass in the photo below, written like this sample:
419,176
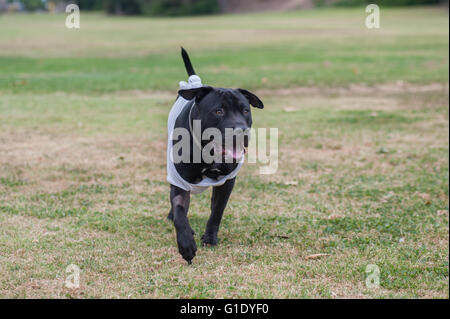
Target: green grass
363,168
304,48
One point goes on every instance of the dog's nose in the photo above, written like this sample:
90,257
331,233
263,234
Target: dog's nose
241,128
242,131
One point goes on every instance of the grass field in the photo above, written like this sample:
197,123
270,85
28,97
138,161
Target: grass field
363,121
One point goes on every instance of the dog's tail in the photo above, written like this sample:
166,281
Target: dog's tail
187,62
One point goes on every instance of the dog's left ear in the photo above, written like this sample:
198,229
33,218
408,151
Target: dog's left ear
197,93
252,99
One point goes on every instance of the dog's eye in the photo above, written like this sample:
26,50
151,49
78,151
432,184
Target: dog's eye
246,111
220,112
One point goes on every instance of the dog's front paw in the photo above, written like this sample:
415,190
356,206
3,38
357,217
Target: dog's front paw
186,244
209,239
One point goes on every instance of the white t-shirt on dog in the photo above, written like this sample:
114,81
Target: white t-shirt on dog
172,175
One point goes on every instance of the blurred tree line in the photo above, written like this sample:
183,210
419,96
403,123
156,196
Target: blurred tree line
381,3
128,7
161,7
192,7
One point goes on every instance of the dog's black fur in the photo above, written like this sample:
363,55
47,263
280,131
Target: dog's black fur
219,108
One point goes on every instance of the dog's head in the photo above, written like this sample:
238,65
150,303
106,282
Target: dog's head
224,109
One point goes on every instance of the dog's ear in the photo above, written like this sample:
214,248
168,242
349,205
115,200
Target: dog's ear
252,99
197,93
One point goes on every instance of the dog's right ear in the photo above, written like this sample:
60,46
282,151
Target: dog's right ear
197,93
252,99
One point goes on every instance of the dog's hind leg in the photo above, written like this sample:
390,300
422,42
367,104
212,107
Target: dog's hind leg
180,200
219,201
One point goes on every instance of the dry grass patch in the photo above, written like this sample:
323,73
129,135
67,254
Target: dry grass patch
350,187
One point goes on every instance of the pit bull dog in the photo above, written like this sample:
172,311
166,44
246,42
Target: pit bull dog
197,109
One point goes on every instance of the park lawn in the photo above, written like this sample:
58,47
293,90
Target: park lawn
270,50
363,169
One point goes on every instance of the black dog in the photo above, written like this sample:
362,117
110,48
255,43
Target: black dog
216,108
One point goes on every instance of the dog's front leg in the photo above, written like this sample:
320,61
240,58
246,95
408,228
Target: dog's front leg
180,199
219,200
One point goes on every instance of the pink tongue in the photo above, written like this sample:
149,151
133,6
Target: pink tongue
233,153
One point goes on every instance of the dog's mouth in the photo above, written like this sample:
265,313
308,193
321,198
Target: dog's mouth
227,150
235,152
